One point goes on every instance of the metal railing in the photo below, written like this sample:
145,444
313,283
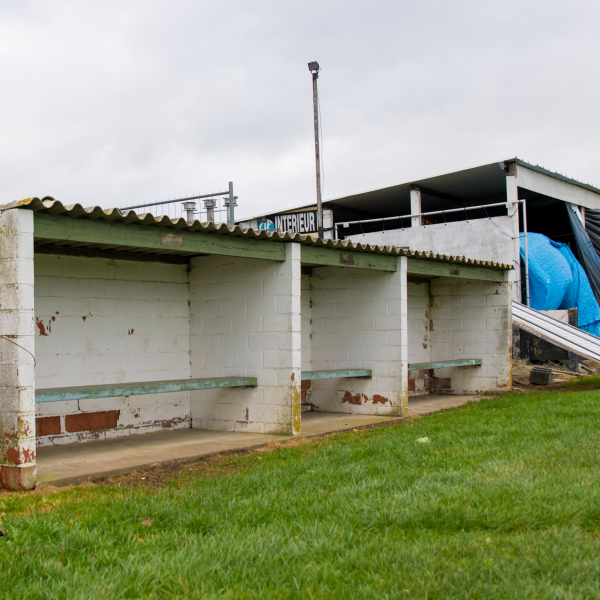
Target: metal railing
463,209
218,207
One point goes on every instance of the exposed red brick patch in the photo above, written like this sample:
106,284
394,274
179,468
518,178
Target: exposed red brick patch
303,397
105,420
441,383
377,399
305,385
353,398
78,422
41,326
17,478
47,426
13,456
411,385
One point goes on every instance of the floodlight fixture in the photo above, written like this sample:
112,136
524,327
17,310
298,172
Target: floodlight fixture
313,66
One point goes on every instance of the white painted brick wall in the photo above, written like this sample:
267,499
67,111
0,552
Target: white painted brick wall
472,319
359,321
306,312
246,321
17,408
112,321
419,334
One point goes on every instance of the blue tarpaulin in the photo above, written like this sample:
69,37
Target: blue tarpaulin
558,282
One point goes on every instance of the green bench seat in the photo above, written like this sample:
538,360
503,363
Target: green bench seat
444,364
358,373
144,387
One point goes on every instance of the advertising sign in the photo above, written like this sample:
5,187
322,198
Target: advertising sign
300,221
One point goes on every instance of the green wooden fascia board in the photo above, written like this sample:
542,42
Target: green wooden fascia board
135,389
432,268
361,373
443,364
332,257
67,229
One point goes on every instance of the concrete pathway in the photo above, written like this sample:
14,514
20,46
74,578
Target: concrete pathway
92,461
432,403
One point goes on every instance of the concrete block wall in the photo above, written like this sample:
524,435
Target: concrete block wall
306,303
306,388
17,391
246,321
472,319
419,334
359,321
108,321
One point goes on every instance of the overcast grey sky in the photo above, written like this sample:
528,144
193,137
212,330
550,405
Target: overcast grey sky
112,102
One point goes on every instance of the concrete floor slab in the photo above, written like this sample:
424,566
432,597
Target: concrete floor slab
96,460
424,405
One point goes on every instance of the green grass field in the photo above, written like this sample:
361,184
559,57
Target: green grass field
503,502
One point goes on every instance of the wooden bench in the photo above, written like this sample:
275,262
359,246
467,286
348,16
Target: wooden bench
444,364
357,373
144,387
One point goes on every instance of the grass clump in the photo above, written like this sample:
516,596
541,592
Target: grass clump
503,502
590,382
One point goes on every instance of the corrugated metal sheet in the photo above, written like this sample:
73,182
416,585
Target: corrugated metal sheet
562,335
76,211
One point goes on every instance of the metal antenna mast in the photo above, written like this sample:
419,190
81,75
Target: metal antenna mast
313,67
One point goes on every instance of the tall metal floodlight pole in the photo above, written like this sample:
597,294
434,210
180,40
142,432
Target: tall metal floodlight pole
313,67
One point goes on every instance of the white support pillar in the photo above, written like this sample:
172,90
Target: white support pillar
246,321
403,271
294,273
415,206
512,197
17,373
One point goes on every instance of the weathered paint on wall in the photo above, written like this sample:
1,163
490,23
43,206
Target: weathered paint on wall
17,408
359,321
109,321
306,303
419,333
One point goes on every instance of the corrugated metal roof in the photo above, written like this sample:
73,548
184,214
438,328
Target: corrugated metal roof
470,184
564,336
76,211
